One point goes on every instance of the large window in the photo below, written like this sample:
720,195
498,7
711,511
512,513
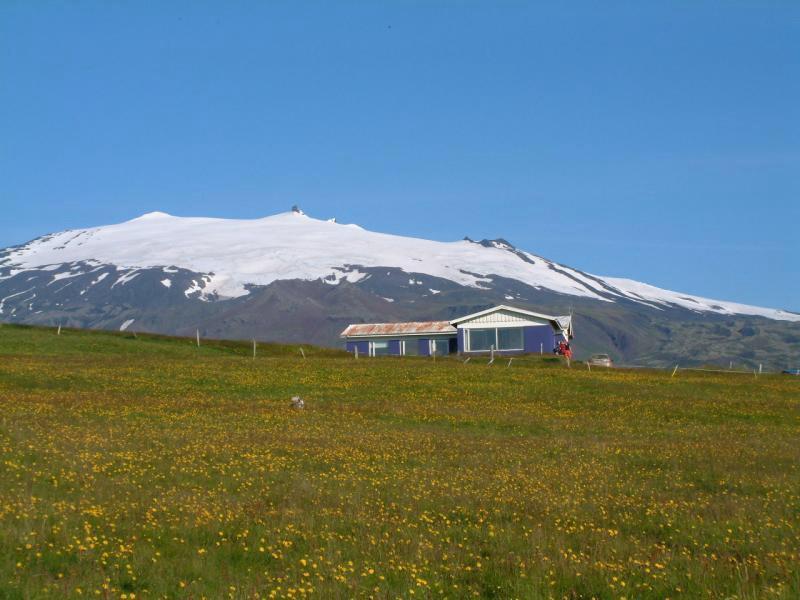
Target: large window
411,347
509,338
380,348
440,347
503,338
481,339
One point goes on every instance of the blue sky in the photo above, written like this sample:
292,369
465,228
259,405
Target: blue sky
656,141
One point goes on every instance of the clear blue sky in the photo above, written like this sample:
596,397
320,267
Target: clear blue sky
657,141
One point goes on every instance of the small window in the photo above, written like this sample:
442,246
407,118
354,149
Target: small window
481,339
380,348
510,338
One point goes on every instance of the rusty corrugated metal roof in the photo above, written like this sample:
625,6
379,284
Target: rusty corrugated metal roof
418,327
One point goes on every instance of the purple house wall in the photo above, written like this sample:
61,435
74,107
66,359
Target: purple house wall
424,347
541,337
363,347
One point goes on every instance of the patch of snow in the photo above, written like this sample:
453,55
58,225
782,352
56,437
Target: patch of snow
507,297
340,275
126,277
388,299
356,276
3,300
100,278
201,292
126,324
64,275
433,291
166,283
193,289
12,272
26,300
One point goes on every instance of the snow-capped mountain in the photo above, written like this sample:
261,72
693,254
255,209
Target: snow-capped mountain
291,277
231,255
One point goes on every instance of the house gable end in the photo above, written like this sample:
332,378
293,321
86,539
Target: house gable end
503,316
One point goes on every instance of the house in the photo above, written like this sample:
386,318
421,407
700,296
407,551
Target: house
504,329
510,330
401,339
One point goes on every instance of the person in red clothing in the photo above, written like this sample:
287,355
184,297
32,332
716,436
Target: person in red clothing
564,349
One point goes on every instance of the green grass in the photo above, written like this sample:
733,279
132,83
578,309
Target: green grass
147,467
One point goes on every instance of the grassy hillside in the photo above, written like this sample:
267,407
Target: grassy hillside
146,467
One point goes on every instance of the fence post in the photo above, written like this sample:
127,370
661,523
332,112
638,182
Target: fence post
303,353
541,347
197,335
59,329
356,352
675,370
254,348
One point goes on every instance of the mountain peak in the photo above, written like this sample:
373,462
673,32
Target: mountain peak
497,243
156,214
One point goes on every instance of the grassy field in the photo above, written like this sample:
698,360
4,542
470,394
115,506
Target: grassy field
144,468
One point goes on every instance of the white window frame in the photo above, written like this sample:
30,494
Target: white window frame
497,339
432,345
468,339
372,346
